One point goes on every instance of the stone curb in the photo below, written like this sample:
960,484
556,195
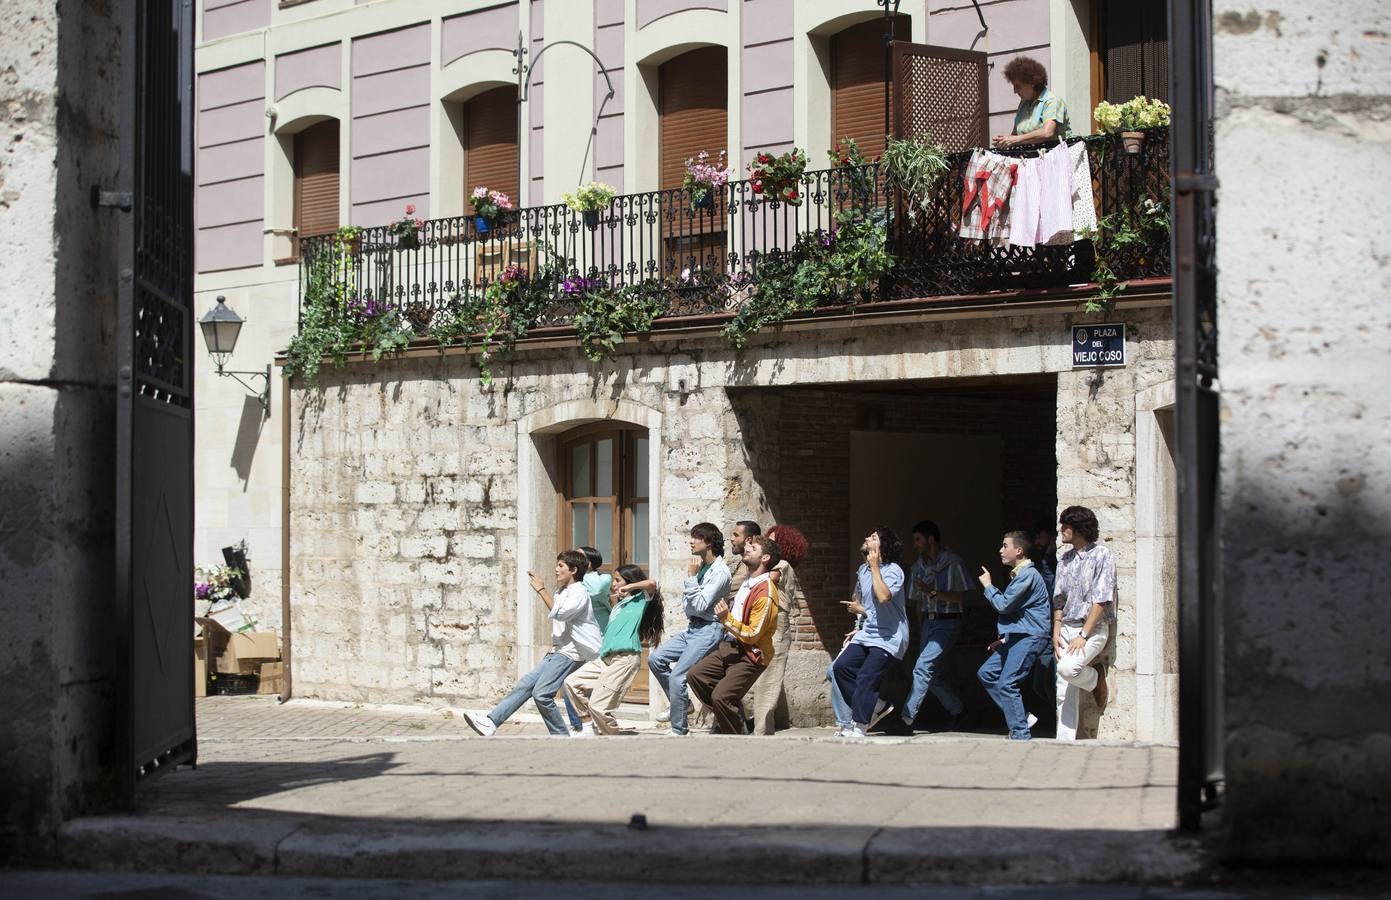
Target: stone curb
321,846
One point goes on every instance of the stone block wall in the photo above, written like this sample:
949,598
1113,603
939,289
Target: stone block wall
412,527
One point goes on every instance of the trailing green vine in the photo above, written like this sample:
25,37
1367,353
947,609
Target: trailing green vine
1117,235
605,315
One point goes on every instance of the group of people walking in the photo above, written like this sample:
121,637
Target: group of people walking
731,656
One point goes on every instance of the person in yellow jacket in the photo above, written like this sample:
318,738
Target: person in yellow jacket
722,679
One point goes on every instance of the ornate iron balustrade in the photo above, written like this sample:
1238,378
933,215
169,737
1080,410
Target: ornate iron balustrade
703,259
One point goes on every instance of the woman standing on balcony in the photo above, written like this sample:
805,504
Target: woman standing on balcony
1042,116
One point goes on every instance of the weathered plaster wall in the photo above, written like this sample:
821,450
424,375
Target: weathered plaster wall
407,540
1304,90
58,71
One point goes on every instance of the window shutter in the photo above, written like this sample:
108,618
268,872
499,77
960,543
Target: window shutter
940,94
694,115
491,158
316,179
1136,57
857,82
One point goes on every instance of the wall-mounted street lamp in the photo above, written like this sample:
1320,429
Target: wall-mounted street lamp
221,327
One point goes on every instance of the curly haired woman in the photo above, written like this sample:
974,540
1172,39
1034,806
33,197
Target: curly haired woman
1042,115
768,688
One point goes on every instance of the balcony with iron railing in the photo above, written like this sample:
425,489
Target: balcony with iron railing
687,264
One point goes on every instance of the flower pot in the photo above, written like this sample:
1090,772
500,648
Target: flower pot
706,201
482,225
353,246
408,240
1132,140
591,218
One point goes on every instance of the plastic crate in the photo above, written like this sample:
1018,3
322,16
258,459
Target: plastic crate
224,683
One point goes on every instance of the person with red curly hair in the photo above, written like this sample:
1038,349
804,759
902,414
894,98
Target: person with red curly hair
768,688
1042,115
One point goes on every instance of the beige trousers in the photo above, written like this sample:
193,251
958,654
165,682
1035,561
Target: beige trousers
1075,674
597,688
768,688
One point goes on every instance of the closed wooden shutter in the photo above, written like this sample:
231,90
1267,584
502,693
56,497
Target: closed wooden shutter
316,179
1135,56
693,111
491,158
857,82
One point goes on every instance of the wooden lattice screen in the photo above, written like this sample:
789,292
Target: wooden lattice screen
940,92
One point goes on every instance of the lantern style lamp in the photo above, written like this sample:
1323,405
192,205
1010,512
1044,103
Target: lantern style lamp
221,327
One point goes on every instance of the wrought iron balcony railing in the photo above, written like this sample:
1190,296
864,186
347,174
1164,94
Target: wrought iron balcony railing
702,260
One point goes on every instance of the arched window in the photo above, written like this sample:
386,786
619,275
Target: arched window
490,143
857,82
604,503
692,106
316,179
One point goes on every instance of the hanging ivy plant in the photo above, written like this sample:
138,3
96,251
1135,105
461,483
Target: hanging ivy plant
605,315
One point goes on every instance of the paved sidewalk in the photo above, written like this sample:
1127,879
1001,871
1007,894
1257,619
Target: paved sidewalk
314,789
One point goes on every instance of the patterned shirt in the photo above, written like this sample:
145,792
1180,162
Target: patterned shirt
1085,577
1033,113
945,573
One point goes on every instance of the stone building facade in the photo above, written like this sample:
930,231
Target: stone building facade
420,498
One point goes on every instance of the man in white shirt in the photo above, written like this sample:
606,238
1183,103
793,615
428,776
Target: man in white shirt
575,639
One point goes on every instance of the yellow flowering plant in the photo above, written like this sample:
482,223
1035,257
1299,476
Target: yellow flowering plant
1136,114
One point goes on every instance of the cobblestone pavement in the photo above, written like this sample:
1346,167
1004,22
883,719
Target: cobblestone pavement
333,789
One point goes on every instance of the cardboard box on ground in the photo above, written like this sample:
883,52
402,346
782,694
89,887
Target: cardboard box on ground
217,650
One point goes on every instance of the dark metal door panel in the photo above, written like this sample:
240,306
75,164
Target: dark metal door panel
154,531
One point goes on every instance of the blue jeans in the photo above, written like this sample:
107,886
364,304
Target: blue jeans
675,658
859,670
540,684
838,704
570,713
1002,673
939,636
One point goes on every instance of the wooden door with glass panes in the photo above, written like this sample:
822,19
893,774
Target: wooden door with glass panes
603,503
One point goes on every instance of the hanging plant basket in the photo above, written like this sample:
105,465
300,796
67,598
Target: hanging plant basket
408,240
591,218
1132,141
705,201
482,225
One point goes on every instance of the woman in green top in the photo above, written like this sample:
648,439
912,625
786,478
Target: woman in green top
1042,115
635,622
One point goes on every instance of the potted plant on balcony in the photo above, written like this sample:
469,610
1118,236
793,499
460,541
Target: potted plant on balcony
915,168
350,238
705,178
852,171
778,177
589,200
407,230
1132,119
490,208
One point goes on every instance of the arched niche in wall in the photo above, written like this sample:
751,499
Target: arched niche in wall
459,83
307,164
841,68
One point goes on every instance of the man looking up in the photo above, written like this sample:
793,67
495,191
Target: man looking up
707,583
1023,609
861,665
1084,608
738,569
723,678
938,579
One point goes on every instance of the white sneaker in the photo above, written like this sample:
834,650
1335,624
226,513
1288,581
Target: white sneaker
664,718
669,733
1032,720
844,730
586,731
480,723
881,709
857,734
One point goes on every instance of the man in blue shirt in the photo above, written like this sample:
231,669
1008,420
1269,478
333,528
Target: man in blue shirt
1024,610
707,583
937,585
884,637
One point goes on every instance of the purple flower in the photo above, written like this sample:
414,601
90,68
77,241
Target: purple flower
201,590
577,284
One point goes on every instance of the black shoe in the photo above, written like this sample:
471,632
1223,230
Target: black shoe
957,722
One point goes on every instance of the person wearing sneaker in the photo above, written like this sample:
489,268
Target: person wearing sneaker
575,638
938,580
1023,611
707,583
792,546
1084,608
861,666
598,585
597,688
722,679
701,717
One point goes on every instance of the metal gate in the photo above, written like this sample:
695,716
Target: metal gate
154,456
1201,728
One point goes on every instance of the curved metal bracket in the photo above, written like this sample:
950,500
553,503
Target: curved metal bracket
526,88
